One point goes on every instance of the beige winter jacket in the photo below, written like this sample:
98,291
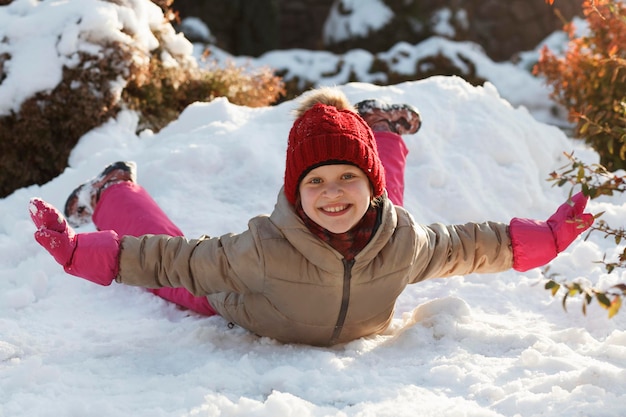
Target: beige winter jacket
279,280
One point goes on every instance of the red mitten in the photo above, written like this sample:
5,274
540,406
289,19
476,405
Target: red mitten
93,256
535,243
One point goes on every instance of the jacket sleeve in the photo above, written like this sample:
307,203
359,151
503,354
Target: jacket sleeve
444,250
230,263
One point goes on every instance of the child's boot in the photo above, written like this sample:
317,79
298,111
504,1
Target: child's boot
402,119
81,203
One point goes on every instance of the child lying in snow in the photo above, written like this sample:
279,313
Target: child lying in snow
328,264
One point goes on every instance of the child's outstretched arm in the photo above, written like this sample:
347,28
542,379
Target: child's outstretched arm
93,256
535,243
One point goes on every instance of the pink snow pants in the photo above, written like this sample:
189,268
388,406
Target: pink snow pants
392,152
129,210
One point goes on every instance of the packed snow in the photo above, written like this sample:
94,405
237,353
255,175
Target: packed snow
476,345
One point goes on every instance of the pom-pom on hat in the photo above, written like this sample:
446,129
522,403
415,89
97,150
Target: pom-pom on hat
330,134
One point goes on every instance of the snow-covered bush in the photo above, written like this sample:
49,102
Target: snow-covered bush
78,63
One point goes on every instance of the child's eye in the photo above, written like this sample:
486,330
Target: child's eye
315,181
348,176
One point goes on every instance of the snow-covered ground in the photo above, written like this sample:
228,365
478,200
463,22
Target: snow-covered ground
477,345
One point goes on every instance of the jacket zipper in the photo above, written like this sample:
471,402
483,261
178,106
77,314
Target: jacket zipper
345,299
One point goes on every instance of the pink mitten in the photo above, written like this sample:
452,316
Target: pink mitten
535,243
92,256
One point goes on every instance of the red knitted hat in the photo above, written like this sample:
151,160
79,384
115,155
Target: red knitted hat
324,135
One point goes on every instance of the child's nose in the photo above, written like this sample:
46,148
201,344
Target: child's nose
333,189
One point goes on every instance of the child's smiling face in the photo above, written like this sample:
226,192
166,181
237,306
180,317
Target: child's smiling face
335,197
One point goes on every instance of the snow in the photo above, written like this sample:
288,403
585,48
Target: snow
323,68
350,19
476,345
195,28
441,21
